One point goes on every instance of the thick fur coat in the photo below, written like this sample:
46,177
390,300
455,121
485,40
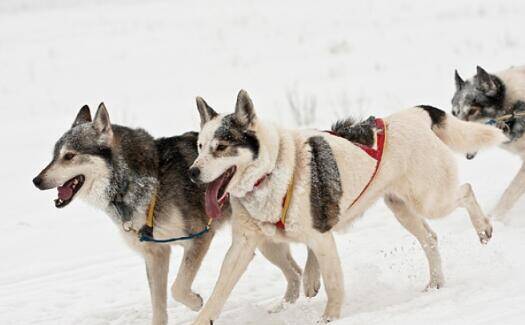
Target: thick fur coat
417,178
119,170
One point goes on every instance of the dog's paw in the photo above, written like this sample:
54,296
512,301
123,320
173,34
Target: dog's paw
203,322
194,302
191,300
325,319
311,286
434,284
485,233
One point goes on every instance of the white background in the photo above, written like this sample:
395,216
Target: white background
147,60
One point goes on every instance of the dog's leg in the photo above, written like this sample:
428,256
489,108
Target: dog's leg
325,250
467,200
157,259
426,237
236,261
194,253
511,195
311,276
279,254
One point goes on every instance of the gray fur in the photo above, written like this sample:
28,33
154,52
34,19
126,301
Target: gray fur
83,116
244,108
326,189
234,133
101,121
359,132
206,113
515,127
139,167
483,96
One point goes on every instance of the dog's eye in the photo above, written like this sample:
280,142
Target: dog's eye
221,147
200,146
69,156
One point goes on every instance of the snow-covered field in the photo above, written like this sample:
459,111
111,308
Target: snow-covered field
147,60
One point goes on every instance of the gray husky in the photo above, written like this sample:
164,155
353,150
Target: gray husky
487,97
120,170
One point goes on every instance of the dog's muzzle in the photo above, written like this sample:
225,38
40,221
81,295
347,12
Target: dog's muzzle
39,182
195,173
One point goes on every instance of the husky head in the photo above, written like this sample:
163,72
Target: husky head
478,99
231,152
80,158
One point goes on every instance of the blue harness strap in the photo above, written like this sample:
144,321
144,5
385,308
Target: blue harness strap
146,232
146,236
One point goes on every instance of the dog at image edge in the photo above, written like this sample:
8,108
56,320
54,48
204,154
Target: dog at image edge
118,170
486,97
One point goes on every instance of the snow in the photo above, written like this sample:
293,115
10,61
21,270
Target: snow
148,60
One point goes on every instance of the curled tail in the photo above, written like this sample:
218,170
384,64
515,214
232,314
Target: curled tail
361,132
462,136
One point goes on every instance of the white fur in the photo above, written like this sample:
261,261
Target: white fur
514,80
417,177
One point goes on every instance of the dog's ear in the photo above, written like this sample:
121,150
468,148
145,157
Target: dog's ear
484,82
101,122
244,110
205,111
83,116
459,81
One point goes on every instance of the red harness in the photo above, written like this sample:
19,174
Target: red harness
376,154
279,224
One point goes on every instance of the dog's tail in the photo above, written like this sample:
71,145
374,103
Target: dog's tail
461,136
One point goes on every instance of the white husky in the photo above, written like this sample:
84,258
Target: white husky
259,164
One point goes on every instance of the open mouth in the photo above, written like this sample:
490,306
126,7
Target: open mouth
67,191
216,194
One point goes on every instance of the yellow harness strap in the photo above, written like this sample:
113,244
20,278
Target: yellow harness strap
286,204
151,210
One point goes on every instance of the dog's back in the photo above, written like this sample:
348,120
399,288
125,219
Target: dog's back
514,80
419,154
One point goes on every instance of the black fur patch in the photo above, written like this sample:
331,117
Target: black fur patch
326,189
436,115
487,105
358,132
236,134
176,154
516,126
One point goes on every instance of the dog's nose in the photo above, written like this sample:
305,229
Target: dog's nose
195,172
37,181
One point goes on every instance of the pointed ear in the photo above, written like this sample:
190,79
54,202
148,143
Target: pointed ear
83,116
459,81
244,110
205,111
101,121
484,82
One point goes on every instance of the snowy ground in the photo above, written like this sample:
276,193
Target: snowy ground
148,60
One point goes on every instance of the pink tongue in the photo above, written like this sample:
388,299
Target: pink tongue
65,192
211,202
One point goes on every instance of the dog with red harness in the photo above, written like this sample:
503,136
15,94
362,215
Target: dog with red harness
301,185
